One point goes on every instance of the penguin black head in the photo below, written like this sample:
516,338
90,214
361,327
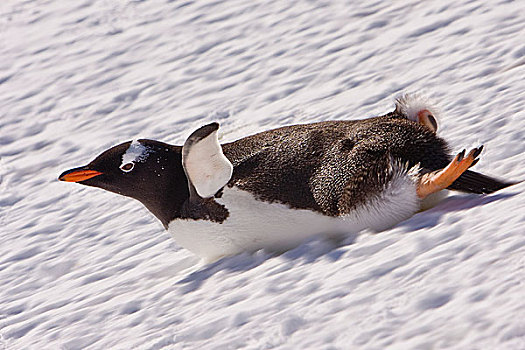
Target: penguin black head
146,170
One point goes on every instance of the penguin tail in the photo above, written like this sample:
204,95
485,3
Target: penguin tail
473,182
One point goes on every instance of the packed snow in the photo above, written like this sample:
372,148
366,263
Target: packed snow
81,268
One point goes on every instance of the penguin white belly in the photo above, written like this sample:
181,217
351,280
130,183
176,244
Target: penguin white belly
253,224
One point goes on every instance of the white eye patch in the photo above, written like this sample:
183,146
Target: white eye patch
136,153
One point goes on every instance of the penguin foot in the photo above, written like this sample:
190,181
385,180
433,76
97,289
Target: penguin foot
441,179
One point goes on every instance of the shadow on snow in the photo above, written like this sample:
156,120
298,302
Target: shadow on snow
316,248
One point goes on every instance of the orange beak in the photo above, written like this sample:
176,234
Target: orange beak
78,174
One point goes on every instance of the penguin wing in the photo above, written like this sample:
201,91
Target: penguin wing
473,182
207,168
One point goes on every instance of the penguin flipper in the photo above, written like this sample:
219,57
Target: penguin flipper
473,182
206,167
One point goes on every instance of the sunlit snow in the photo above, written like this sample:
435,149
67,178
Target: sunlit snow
82,268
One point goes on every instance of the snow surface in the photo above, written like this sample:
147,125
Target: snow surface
81,268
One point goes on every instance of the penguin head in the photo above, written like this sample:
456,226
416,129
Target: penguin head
418,109
147,170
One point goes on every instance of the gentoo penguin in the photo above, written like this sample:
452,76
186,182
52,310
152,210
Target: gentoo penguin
274,189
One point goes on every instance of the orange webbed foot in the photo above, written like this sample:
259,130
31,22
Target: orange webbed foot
439,180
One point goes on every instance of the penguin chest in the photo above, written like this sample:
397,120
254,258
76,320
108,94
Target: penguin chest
253,225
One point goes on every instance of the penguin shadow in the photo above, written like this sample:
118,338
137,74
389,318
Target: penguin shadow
307,253
331,249
459,202
237,263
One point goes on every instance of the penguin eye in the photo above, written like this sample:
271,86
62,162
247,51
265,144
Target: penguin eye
127,167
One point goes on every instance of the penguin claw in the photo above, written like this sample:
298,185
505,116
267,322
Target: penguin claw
474,162
441,179
477,151
460,156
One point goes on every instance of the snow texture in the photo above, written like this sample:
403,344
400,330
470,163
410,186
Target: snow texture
81,268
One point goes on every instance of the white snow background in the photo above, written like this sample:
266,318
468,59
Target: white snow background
81,268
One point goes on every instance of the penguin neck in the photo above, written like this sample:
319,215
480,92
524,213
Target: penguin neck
169,206
168,194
